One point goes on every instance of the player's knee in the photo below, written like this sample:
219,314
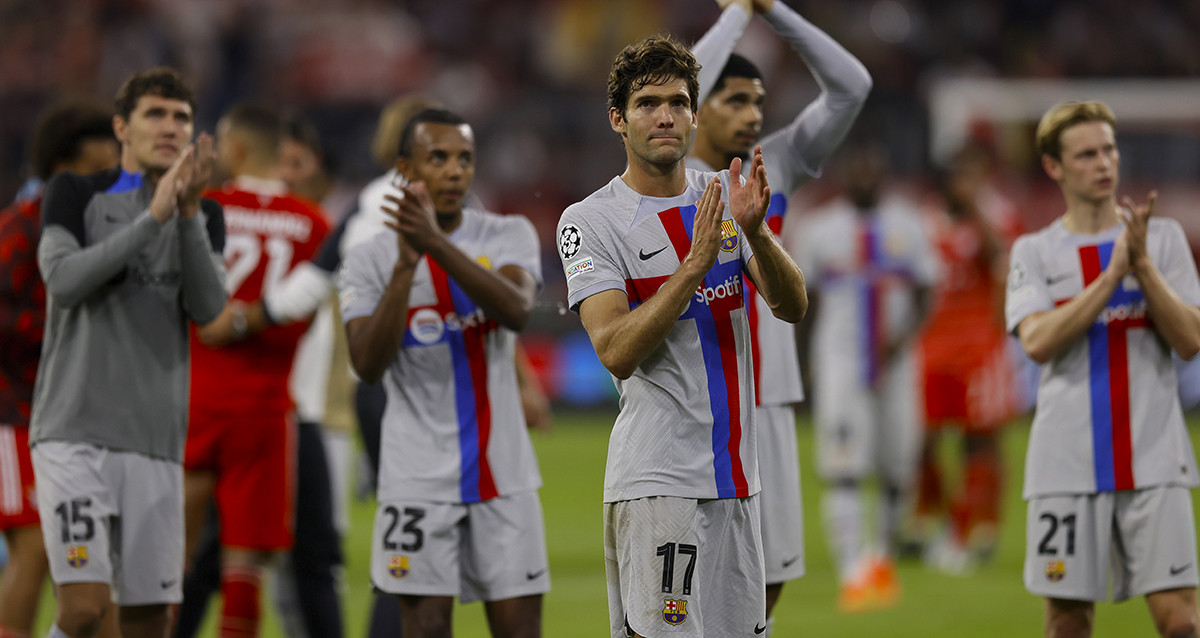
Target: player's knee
1178,625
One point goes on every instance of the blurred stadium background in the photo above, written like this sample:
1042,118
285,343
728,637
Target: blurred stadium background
529,75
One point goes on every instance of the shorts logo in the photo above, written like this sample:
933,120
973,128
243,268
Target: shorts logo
1056,570
398,566
729,236
675,611
426,326
579,268
77,556
569,240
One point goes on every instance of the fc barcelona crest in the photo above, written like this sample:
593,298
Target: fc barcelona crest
398,566
729,236
674,611
77,556
1055,570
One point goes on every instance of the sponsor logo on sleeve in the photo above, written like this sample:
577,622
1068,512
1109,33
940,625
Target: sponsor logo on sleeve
1016,275
579,268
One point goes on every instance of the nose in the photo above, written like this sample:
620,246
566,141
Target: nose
665,118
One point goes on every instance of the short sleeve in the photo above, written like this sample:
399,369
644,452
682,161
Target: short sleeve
1026,291
1178,266
521,240
360,280
589,264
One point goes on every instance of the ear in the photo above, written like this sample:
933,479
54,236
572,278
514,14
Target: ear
1052,167
616,121
403,166
119,127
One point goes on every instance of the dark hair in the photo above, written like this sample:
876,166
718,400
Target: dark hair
61,131
655,60
161,81
263,124
434,116
737,67
301,130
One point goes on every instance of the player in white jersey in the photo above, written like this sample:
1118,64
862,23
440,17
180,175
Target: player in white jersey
873,268
731,119
458,508
657,271
1101,298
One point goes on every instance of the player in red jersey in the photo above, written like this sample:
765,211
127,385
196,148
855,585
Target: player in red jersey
76,138
241,438
968,372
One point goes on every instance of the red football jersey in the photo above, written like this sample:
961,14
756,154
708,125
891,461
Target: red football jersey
22,309
267,232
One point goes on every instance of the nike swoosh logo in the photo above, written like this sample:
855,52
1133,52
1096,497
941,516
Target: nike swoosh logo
788,562
1050,281
112,219
643,255
166,584
758,629
533,575
1175,571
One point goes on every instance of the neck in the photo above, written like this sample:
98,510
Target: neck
706,153
449,221
655,180
258,171
1090,217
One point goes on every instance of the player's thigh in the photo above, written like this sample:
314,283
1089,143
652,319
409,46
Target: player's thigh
845,433
149,531
504,549
416,546
256,482
75,494
1155,549
684,567
779,501
898,425
18,499
1068,545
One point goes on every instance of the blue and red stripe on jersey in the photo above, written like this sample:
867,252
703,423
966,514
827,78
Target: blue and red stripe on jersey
872,289
468,357
718,344
1108,372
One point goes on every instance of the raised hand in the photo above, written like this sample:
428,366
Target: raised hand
166,192
413,218
748,202
706,227
197,174
1136,218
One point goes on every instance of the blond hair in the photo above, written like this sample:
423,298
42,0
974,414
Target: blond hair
1062,117
392,120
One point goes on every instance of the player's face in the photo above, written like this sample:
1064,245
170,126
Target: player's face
731,119
298,165
658,122
155,134
1090,162
443,157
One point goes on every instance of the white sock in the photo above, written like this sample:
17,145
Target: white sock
55,632
843,513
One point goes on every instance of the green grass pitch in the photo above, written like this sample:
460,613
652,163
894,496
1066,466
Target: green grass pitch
989,602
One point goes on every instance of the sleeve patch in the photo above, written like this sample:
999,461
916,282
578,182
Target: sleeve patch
579,268
569,241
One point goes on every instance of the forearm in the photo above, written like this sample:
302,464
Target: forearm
72,272
374,341
778,279
845,84
202,273
499,297
713,48
1175,320
1045,336
298,296
623,340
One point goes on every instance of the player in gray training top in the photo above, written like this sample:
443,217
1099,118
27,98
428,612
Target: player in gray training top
128,256
657,270
731,119
1100,298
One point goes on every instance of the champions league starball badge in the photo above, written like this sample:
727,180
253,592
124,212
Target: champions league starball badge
568,241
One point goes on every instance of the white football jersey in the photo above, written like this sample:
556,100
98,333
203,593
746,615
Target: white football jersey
686,422
453,429
1108,415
